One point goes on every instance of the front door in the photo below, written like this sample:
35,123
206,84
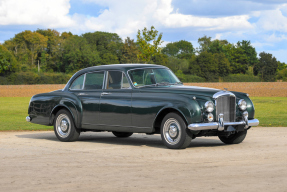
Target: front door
115,104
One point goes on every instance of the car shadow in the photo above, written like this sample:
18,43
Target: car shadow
135,139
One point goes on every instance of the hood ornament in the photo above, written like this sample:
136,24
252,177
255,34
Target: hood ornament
225,89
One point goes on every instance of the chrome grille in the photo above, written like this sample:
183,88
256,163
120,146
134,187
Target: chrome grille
226,105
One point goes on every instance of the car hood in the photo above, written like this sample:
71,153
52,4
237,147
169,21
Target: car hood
190,90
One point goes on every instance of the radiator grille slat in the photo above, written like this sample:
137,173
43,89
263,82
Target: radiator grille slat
226,105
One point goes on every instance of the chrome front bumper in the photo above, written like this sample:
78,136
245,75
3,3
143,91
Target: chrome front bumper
220,125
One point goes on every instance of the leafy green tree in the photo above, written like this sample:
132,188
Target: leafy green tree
249,51
237,58
8,62
204,43
218,46
26,46
223,64
180,49
160,59
176,64
148,42
266,67
282,74
281,66
78,54
129,51
208,66
49,57
108,45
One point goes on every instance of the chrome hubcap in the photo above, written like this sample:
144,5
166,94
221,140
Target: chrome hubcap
172,131
63,125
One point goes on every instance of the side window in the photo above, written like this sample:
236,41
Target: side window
78,83
117,80
94,80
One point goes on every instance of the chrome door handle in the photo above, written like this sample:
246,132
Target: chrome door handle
82,94
105,93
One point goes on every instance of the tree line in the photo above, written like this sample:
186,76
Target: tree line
47,50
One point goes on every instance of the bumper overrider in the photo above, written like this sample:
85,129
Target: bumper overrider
221,124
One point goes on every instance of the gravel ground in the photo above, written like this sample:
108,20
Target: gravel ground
37,161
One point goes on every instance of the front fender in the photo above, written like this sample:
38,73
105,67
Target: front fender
187,107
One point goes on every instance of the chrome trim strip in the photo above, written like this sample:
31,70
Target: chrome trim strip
203,126
253,122
216,125
84,82
107,75
221,93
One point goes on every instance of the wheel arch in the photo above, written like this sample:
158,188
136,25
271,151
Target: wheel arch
162,113
58,108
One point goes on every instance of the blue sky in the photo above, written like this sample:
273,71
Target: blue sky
263,22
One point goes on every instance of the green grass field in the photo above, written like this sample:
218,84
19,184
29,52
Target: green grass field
271,112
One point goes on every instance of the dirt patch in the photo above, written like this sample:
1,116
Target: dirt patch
37,161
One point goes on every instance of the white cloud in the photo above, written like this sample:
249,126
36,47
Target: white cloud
165,43
260,45
164,14
272,20
218,36
123,17
52,13
275,38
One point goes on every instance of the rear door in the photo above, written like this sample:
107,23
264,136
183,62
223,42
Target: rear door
88,88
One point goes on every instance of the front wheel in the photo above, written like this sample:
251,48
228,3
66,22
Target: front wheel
173,132
234,138
64,127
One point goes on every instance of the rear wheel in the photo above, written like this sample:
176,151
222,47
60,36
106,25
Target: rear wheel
234,138
122,134
173,132
64,127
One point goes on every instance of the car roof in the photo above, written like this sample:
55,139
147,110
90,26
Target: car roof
122,67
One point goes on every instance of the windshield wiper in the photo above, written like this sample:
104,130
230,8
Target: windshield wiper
177,83
165,83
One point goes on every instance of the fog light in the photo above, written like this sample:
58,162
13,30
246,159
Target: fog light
210,117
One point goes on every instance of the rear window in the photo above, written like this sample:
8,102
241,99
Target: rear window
94,80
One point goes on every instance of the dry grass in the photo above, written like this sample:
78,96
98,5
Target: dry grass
27,90
255,89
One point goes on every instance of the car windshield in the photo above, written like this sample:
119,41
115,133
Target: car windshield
153,77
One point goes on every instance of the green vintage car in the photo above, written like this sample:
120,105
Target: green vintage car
142,98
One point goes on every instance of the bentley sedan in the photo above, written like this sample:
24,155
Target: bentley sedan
142,98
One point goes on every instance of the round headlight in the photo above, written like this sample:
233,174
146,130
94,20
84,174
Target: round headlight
242,104
209,106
